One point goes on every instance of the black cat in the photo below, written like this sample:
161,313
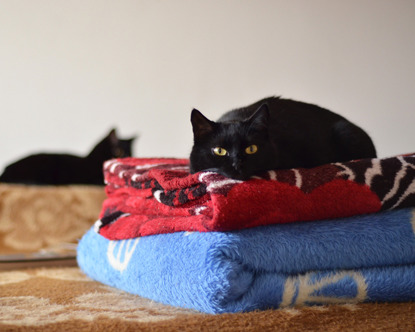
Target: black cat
274,133
63,169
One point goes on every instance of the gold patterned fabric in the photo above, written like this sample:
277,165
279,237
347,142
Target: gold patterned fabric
35,217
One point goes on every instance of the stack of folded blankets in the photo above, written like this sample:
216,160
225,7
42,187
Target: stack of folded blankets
337,233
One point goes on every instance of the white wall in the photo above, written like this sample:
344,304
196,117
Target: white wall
70,70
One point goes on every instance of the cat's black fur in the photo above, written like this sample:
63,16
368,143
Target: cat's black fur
64,169
287,133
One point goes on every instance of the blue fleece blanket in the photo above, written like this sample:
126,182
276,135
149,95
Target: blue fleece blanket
363,258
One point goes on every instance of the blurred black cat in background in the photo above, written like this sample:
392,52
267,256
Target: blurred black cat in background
64,169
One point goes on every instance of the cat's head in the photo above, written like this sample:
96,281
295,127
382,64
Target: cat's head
120,148
237,149
112,147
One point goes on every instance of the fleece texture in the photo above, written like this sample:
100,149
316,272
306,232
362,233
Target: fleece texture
355,259
155,196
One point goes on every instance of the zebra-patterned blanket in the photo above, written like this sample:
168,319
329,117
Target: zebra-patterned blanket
153,196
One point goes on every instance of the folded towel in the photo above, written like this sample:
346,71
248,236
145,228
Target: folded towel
361,258
153,196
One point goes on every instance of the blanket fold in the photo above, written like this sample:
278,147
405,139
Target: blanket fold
355,259
156,196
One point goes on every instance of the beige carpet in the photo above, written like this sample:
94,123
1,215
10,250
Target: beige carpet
63,299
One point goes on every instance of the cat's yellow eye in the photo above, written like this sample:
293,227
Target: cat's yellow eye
220,151
251,149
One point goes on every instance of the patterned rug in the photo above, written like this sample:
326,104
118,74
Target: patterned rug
63,299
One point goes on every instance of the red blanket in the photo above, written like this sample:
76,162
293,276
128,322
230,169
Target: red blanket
153,196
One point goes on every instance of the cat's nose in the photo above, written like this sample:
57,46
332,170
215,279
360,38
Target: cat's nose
237,165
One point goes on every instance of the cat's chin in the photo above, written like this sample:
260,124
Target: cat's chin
235,176
240,177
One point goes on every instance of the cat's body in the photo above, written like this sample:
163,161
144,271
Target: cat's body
275,133
64,169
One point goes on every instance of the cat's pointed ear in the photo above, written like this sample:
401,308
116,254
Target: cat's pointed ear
260,119
201,124
113,136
